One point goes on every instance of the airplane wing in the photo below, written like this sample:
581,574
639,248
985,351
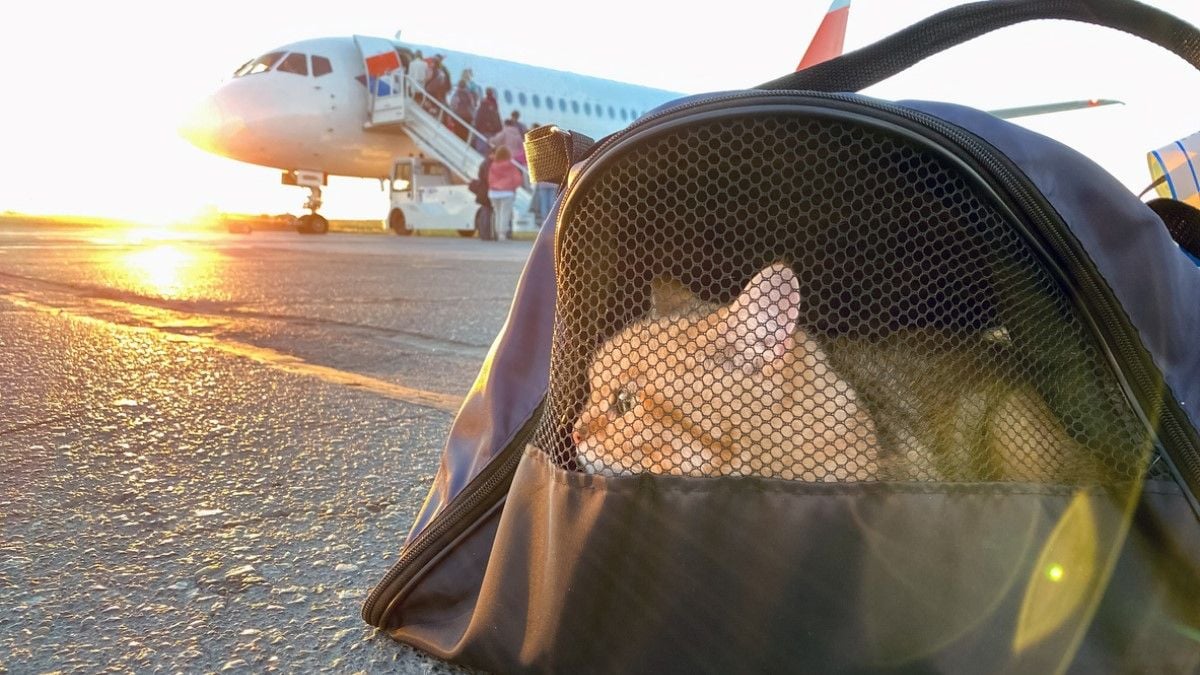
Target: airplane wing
1028,110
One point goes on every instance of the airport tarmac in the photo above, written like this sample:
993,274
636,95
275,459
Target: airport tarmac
214,444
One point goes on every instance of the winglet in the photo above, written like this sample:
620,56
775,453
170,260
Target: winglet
830,37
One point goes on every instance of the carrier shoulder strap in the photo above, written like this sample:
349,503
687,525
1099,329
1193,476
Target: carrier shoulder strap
874,63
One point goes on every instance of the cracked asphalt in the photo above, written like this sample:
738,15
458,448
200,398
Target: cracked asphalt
213,445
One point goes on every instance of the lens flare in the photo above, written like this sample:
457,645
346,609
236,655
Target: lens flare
1055,599
1055,573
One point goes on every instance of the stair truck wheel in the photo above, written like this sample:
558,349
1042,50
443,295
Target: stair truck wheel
397,223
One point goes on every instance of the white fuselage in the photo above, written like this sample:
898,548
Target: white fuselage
315,120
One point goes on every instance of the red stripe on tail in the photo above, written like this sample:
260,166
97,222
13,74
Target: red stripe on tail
830,37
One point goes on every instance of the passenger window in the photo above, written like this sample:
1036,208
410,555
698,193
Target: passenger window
587,108
294,63
521,97
537,101
321,66
508,97
612,114
562,104
575,107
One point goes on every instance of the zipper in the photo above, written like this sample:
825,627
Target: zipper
479,496
1081,278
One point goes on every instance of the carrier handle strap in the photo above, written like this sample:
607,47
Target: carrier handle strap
550,152
864,67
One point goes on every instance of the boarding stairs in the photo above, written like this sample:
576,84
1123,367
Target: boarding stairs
397,104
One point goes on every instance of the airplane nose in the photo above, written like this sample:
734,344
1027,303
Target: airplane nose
204,125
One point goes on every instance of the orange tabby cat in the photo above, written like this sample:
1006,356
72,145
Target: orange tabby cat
738,391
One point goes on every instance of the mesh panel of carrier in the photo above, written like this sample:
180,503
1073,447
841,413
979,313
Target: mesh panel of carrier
819,301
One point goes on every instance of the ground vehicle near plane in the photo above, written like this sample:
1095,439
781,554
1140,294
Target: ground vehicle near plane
241,223
422,196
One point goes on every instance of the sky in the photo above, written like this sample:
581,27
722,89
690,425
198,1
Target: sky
94,91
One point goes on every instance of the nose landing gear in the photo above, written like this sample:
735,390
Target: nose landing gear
312,222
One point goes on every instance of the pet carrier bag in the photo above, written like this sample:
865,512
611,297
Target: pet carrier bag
809,381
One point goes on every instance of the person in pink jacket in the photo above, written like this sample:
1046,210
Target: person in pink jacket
504,177
512,138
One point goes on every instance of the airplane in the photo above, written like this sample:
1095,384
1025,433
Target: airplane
312,109
343,106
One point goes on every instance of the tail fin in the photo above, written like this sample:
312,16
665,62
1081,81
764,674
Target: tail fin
830,37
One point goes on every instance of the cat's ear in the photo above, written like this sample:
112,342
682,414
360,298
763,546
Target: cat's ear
669,297
764,316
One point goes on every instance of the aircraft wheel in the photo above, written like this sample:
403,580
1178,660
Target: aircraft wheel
304,224
397,223
317,224
466,233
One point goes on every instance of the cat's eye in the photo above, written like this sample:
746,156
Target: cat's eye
623,402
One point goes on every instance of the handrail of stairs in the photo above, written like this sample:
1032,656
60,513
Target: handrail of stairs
411,87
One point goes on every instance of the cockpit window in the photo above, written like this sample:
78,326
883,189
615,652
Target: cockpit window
321,66
260,65
294,63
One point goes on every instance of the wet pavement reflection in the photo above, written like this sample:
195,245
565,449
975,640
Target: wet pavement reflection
213,445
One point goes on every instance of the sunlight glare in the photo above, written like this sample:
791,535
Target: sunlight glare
167,269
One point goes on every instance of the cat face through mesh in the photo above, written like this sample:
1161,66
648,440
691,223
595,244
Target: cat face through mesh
701,390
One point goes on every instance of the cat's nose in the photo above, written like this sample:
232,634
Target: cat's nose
577,436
